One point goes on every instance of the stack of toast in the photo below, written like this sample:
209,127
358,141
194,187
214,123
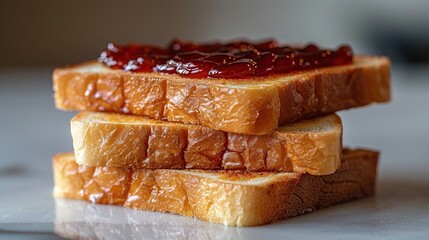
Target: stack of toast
241,152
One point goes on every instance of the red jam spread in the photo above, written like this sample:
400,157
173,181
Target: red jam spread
238,59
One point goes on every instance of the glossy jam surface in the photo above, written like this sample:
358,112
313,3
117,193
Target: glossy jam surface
238,59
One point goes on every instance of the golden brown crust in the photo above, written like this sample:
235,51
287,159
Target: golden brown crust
228,197
311,146
256,106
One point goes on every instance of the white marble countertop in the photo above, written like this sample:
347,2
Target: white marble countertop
31,131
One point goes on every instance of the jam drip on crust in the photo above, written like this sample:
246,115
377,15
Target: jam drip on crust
238,60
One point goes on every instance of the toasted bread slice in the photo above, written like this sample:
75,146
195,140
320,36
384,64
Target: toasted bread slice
234,198
101,139
247,106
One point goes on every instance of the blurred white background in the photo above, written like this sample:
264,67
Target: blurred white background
36,36
52,32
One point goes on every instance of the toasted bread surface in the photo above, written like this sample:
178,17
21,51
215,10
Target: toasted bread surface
101,139
235,198
246,106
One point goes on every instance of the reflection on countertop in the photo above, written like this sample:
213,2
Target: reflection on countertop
79,220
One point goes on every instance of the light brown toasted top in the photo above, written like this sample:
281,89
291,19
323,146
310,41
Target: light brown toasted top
257,82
